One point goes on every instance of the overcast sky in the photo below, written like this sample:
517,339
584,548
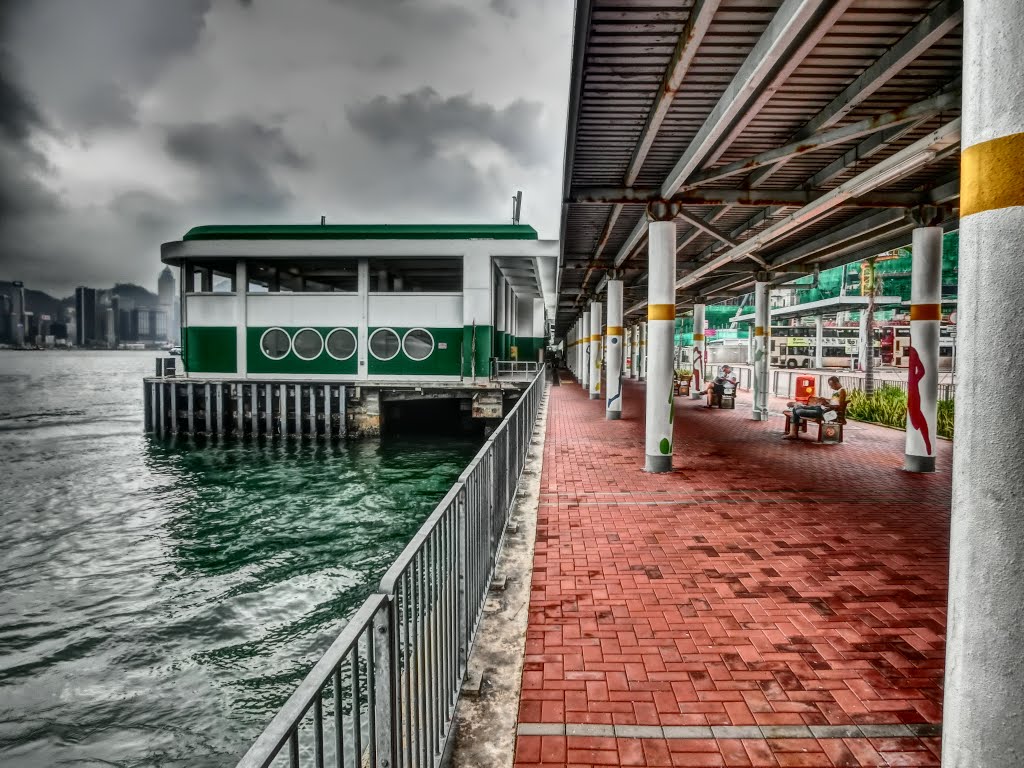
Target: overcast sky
126,122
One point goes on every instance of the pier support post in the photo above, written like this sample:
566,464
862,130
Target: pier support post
191,393
699,352
762,328
585,352
923,369
218,422
174,406
984,681
208,410
661,321
613,383
298,410
163,410
595,349
283,414
268,411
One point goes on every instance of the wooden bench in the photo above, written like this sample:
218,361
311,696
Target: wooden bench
829,432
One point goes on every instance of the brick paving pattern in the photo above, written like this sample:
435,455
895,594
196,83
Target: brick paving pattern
761,594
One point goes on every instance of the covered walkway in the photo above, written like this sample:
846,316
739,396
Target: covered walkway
765,603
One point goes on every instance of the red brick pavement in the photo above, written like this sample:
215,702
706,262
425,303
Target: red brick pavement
763,582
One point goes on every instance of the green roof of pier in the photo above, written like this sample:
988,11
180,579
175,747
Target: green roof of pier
362,232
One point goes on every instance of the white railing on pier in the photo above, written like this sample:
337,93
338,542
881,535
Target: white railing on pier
384,693
514,370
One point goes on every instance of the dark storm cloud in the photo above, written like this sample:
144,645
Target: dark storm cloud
147,211
428,122
236,160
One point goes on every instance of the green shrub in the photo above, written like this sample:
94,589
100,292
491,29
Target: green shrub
888,406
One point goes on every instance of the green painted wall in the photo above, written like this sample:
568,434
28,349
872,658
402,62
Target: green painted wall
484,349
257,362
210,349
529,348
441,362
500,345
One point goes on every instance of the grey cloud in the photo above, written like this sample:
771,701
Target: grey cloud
386,62
505,8
147,211
236,160
428,122
413,14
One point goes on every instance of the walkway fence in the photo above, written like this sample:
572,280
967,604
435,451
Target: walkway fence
384,693
783,382
514,370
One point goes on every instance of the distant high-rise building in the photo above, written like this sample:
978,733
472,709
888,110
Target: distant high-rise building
86,318
167,294
19,322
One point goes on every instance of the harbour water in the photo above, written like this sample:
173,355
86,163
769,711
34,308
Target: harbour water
161,600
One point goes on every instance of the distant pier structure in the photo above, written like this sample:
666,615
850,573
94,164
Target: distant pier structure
330,331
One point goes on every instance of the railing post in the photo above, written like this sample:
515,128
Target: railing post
462,555
384,677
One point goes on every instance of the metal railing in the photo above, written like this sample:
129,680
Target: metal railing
514,370
384,693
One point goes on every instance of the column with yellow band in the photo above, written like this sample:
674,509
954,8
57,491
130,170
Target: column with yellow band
585,352
641,353
594,378
984,677
661,309
699,352
613,375
923,368
761,342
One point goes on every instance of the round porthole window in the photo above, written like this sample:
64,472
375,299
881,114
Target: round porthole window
275,343
308,344
384,344
341,344
418,344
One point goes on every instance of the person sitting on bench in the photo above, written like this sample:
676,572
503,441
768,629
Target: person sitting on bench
816,407
717,385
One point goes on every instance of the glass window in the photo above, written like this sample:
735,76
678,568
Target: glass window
418,344
341,344
308,344
384,344
275,343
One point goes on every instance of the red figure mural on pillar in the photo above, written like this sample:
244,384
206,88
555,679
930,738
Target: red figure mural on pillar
698,368
917,419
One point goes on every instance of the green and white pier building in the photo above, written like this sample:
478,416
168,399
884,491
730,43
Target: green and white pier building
330,330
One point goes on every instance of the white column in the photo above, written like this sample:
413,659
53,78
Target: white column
242,325
631,356
699,353
585,352
863,343
500,318
819,338
762,329
613,387
477,332
594,379
540,335
984,682
641,354
923,369
510,323
661,320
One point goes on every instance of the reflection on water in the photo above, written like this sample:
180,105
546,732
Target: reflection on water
162,599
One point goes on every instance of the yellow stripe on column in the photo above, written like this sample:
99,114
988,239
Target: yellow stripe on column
615,330
925,312
992,175
698,337
759,330
661,311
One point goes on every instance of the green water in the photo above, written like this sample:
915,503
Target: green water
161,600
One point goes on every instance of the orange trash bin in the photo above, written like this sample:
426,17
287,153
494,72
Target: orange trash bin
804,388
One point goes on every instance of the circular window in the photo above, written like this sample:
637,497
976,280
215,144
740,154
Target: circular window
384,344
418,344
308,344
275,343
341,344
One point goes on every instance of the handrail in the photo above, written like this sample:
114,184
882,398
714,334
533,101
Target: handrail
396,670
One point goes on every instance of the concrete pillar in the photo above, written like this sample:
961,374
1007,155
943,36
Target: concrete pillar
540,335
585,351
819,339
923,369
510,323
699,352
613,386
863,342
241,313
661,321
642,353
984,682
762,329
478,331
500,318
382,281
594,379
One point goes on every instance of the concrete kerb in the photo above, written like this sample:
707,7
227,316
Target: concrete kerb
484,728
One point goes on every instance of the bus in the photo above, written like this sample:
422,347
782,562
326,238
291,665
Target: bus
793,346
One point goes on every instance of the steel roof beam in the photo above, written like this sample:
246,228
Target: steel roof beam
855,230
703,226
754,198
787,26
906,160
828,138
945,17
639,233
